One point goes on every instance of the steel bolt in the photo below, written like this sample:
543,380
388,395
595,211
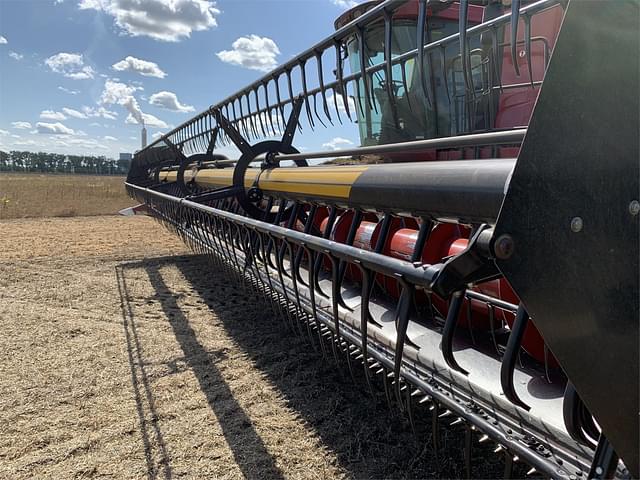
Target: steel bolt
576,224
634,207
504,246
599,470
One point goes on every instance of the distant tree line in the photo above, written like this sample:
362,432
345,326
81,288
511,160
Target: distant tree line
42,162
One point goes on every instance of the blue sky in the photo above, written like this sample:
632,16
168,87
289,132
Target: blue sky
77,75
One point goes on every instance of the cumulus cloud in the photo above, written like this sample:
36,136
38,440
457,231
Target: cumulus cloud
165,20
53,128
337,142
3,41
51,115
73,113
21,125
146,119
169,101
110,138
345,3
253,52
71,65
136,65
121,94
16,56
4,132
70,92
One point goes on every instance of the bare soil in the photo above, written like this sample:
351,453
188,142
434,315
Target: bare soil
123,355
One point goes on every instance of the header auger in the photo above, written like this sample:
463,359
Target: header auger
483,270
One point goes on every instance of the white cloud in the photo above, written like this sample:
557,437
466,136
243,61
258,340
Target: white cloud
51,115
337,142
4,132
74,113
345,3
71,65
169,101
54,128
148,119
70,92
22,125
110,138
143,67
253,52
25,143
100,112
166,20
121,94
16,56
155,136
3,41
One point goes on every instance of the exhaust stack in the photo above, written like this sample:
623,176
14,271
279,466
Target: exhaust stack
144,136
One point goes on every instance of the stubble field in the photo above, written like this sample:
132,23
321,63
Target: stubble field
124,355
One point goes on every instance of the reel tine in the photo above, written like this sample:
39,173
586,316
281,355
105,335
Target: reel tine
403,72
401,332
340,78
334,94
303,78
323,93
527,46
364,319
468,444
422,20
268,107
363,70
508,465
311,255
449,331
280,107
507,368
515,15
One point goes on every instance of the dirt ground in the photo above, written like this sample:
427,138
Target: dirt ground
125,356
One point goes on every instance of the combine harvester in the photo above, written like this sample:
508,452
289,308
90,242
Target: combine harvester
479,264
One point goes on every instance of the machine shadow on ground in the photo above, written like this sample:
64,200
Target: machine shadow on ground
368,439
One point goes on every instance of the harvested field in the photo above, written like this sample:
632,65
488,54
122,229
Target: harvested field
125,356
26,195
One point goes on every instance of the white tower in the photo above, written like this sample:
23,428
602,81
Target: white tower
144,136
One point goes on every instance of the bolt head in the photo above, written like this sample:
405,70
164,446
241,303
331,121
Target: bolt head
576,224
634,207
504,247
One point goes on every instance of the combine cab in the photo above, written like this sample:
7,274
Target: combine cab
485,271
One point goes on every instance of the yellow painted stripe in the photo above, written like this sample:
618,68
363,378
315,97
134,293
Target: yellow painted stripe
334,182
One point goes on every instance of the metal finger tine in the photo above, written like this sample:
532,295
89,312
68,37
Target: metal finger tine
401,332
515,15
335,104
303,78
311,256
340,78
468,443
297,305
421,30
465,56
508,465
252,127
409,410
351,235
449,331
364,319
527,46
508,366
492,327
333,212
268,107
280,107
258,113
388,66
360,32
307,229
323,93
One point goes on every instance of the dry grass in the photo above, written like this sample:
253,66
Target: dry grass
50,195
124,356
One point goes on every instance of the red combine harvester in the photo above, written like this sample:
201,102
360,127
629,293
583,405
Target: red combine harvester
477,257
